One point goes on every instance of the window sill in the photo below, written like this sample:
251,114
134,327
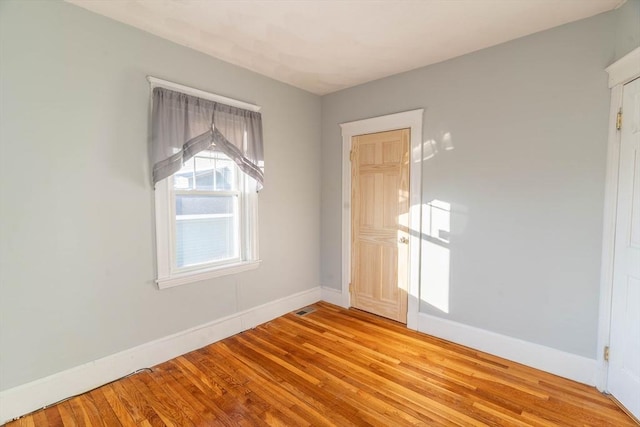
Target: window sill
196,276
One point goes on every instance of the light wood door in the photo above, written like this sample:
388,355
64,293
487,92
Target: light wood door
624,359
379,223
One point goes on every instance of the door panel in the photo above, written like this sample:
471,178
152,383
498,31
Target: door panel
624,360
380,204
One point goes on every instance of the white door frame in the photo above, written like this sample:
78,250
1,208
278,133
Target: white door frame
407,119
620,72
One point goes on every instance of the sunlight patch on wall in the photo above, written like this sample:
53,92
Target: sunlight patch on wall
431,147
436,223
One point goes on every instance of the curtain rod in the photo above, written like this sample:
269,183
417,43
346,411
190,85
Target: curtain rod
156,82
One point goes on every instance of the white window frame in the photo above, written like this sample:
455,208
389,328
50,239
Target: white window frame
168,275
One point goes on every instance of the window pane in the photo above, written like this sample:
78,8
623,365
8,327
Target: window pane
204,173
198,204
207,229
207,171
226,175
183,179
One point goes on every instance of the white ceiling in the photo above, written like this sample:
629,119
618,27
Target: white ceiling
326,45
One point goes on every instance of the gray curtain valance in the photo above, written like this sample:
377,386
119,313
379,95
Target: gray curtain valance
183,125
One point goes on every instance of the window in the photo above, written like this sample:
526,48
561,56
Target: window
207,171
209,220
205,196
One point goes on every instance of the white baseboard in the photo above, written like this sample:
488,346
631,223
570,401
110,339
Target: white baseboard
28,397
333,296
567,365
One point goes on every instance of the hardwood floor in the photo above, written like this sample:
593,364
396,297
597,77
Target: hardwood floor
335,367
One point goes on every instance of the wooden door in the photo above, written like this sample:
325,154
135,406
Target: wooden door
624,358
379,223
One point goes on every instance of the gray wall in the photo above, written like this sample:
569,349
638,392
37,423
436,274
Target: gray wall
76,208
525,178
627,28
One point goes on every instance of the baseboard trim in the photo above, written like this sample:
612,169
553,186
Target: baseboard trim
567,365
29,397
333,296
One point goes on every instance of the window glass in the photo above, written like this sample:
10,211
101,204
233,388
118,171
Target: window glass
206,229
204,172
207,211
183,179
226,175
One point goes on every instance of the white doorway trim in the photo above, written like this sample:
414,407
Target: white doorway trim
620,72
407,119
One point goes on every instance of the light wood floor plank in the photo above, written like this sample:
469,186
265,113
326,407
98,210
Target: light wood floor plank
92,413
108,417
67,416
40,419
335,367
121,403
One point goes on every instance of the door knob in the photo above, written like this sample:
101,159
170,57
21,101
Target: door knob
404,240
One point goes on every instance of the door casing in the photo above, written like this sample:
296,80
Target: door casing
620,72
407,119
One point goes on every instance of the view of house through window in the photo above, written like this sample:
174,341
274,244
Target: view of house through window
206,196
